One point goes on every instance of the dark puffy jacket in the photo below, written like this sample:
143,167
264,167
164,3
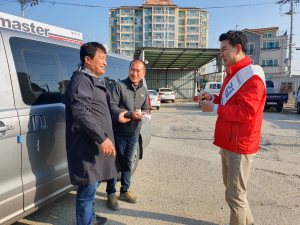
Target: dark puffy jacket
88,124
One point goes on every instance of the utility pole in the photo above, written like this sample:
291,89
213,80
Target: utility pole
291,40
22,7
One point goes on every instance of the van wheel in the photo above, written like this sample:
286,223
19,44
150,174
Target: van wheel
157,107
135,162
173,101
298,108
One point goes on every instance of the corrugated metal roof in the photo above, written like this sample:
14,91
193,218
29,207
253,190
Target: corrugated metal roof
189,58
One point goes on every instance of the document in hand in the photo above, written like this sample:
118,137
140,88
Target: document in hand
146,118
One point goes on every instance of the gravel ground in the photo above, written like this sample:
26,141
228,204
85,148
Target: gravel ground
179,179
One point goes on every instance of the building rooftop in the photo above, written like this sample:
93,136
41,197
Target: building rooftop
261,31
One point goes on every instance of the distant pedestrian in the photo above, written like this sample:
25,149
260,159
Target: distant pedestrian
128,95
238,128
89,134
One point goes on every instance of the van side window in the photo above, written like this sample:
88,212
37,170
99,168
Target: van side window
116,70
219,86
43,70
213,86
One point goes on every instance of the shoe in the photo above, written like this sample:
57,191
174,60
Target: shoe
128,196
99,220
112,202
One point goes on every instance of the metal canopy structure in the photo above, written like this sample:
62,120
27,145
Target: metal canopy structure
176,58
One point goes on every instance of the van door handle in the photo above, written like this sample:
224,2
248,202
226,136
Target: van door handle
7,127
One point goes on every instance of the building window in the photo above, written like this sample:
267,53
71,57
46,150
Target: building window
267,34
269,62
181,22
204,31
138,13
181,14
250,49
180,45
270,45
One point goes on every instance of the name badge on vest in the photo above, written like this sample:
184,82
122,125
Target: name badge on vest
241,77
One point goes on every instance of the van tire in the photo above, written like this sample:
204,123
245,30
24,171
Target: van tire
298,108
173,101
157,107
135,163
278,108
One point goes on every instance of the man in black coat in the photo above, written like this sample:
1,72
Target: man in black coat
89,135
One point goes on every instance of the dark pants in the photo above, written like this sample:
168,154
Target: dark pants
128,147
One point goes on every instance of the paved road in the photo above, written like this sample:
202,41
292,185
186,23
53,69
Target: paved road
179,180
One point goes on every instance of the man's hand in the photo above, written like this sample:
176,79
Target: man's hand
107,147
207,106
136,115
205,95
122,119
144,113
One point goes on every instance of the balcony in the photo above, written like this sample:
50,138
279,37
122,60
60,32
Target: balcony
181,23
171,21
192,46
118,14
158,45
159,12
158,29
193,31
193,23
127,46
171,12
127,22
197,15
192,39
127,30
158,21
126,38
170,38
181,16
172,29
127,14
180,39
181,31
158,37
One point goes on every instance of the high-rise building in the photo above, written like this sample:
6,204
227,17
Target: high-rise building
157,23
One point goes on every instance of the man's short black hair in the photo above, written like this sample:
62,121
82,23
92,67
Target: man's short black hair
89,49
139,61
235,38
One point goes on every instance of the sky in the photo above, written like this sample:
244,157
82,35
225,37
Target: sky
93,22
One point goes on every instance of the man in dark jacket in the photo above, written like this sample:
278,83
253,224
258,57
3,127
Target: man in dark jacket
128,95
89,134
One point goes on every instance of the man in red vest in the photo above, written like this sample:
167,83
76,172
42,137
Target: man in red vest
240,114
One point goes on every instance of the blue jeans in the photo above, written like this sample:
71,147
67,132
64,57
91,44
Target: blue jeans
128,147
85,200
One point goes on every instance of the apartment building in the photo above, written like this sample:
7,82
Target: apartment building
157,23
268,49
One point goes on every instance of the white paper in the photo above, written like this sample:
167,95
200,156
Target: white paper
146,118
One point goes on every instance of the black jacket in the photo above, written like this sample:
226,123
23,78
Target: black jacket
88,124
125,98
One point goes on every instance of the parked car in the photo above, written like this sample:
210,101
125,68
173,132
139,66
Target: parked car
35,71
297,101
274,99
166,94
154,99
211,87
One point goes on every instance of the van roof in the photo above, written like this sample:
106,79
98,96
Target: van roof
39,29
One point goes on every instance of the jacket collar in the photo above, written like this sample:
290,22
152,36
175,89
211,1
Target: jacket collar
238,66
132,85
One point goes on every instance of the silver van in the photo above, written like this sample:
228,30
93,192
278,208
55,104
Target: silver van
34,72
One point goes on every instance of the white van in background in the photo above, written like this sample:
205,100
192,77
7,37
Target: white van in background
37,62
211,87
